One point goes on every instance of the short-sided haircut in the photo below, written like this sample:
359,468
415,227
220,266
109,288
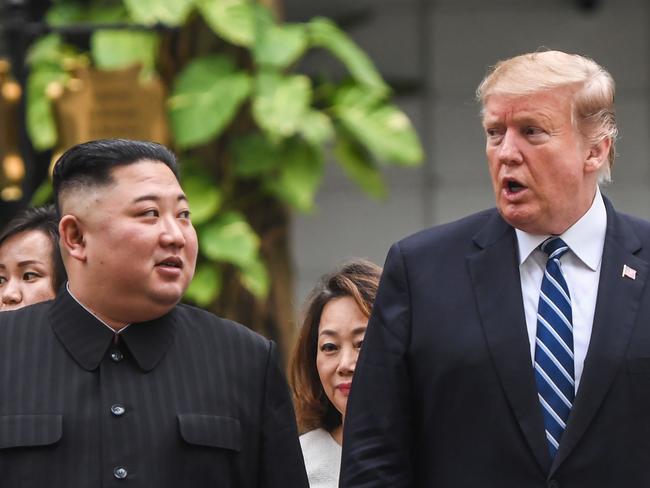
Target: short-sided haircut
90,164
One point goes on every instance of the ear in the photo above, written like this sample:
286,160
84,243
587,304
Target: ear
598,155
72,237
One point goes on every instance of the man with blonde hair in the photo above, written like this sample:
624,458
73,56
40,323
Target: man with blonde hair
509,348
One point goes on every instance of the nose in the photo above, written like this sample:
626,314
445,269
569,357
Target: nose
348,361
509,152
11,294
172,235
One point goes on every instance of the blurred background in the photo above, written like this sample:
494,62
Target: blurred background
312,159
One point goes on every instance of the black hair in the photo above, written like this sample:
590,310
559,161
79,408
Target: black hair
46,220
90,164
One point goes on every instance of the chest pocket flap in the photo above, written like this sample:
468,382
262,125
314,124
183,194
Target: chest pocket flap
29,430
211,431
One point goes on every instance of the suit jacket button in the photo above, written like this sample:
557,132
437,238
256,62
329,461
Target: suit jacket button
117,410
553,484
117,356
120,473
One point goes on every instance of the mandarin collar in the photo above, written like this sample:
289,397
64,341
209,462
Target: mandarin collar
87,339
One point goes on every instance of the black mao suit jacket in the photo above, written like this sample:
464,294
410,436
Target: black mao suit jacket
186,400
444,393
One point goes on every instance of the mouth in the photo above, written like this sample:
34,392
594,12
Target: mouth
171,262
344,387
513,186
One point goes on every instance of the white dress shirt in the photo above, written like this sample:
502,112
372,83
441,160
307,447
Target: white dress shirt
581,268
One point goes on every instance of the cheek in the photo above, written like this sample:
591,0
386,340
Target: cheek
40,290
493,166
324,368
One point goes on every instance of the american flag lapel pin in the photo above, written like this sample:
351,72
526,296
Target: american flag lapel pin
628,272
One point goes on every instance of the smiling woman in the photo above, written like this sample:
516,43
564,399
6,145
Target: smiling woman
324,360
31,269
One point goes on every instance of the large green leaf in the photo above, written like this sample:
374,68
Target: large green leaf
325,34
203,197
300,175
317,127
206,97
48,49
254,155
256,278
280,45
229,238
384,129
41,126
170,12
205,286
280,103
239,22
72,12
359,167
112,49
62,13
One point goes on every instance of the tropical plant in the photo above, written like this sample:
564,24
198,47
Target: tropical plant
251,130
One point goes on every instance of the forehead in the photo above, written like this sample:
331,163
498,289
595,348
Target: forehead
342,315
143,172
552,106
128,183
26,245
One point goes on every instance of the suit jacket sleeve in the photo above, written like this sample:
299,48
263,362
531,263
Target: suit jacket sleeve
281,461
377,431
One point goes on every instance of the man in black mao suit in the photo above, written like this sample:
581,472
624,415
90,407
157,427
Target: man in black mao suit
116,384
461,380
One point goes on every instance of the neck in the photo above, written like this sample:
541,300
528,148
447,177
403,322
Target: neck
116,325
337,434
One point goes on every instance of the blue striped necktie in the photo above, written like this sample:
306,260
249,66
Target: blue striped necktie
554,369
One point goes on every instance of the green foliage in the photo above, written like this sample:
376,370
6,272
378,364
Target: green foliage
239,22
359,167
205,286
383,128
47,56
248,125
300,174
279,46
256,278
280,103
325,34
112,49
206,97
230,238
149,12
203,196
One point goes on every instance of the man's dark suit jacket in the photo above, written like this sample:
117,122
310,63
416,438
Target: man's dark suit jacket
186,400
444,393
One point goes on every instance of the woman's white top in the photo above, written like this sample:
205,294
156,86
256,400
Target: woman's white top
322,458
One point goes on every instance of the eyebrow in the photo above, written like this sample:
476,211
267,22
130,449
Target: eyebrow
157,198
27,262
329,332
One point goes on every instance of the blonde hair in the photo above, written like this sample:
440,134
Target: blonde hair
592,89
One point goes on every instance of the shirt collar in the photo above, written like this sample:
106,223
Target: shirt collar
585,238
88,339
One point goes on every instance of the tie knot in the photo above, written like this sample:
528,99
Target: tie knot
554,247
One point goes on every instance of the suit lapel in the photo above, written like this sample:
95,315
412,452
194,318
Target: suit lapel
615,314
494,272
